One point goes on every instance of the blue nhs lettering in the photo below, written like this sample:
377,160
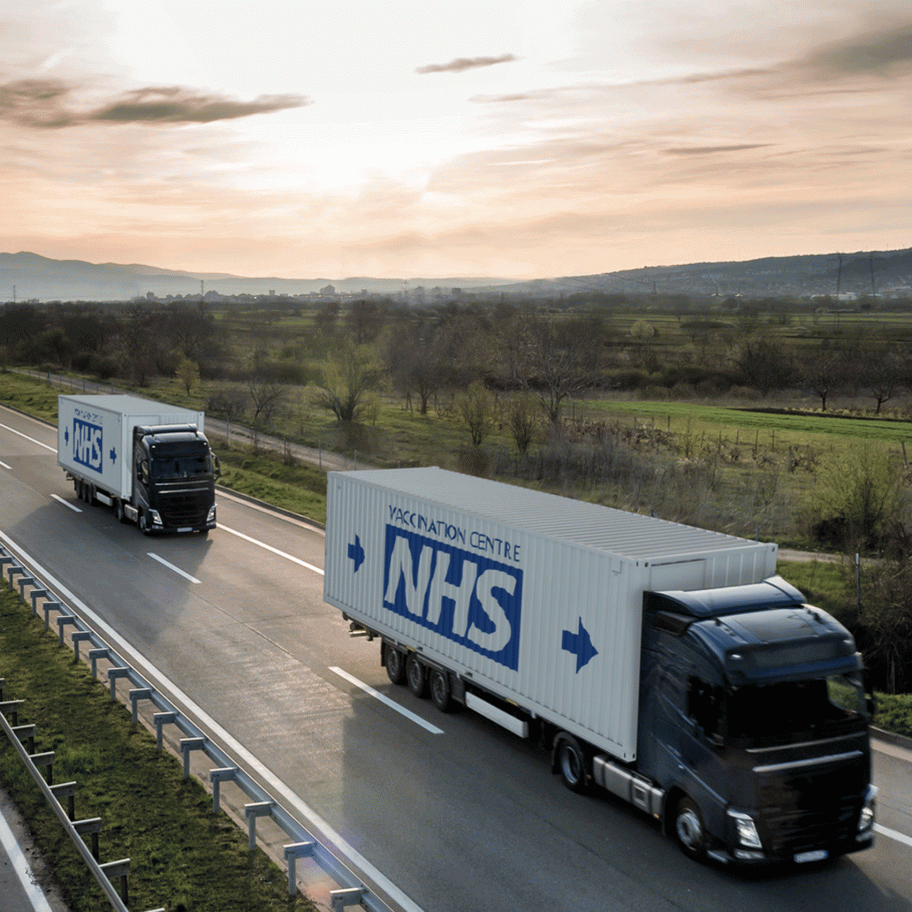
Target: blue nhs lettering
462,596
87,445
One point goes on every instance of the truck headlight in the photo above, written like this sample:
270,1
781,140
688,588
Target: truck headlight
210,518
746,830
866,817
155,518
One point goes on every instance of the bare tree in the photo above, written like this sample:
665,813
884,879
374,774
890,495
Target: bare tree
822,372
266,395
347,380
476,412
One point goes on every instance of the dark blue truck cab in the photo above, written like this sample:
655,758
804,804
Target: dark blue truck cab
754,725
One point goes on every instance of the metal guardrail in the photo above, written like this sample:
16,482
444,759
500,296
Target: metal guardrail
352,891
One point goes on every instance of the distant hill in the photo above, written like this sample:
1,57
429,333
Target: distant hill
44,279
885,272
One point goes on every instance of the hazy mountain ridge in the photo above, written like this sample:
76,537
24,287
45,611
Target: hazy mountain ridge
28,276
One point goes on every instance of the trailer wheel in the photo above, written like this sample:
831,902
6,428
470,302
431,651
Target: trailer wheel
688,828
571,761
395,664
119,514
440,691
416,674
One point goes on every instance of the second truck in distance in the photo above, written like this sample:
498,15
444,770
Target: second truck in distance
665,663
150,461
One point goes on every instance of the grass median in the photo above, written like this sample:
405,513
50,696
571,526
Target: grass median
181,854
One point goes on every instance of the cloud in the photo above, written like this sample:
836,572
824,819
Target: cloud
461,64
48,104
885,52
714,150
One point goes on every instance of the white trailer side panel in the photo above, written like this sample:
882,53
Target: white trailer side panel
94,435
537,598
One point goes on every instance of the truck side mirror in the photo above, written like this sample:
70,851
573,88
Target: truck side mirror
217,466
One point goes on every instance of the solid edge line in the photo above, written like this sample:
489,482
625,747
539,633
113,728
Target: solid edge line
387,701
228,740
20,865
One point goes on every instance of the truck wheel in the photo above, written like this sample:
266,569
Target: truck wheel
688,828
440,691
143,522
416,674
571,761
395,664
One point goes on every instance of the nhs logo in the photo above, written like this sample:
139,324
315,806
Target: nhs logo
87,444
465,597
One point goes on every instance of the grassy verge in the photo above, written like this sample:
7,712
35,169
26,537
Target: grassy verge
180,853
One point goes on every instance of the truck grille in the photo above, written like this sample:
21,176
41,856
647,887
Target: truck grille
184,508
812,809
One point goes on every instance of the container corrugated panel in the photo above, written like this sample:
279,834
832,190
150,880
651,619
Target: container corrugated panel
94,435
535,597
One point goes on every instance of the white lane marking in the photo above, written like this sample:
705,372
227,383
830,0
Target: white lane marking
892,834
66,503
5,466
26,436
20,865
171,566
231,745
263,545
384,699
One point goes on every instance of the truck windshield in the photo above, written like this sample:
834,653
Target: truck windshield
794,710
181,465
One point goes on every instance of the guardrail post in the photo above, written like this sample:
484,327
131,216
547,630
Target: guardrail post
91,826
119,868
102,652
12,571
66,790
350,896
161,719
25,581
187,745
113,675
45,759
35,595
137,694
251,812
11,708
216,777
48,608
78,637
25,733
292,853
63,621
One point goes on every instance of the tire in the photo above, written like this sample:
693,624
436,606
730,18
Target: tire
689,832
571,763
416,675
440,691
395,664
119,514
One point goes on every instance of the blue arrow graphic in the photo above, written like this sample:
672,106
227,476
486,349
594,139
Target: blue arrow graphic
356,553
580,645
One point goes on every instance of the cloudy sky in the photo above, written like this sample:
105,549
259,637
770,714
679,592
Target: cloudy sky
402,138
